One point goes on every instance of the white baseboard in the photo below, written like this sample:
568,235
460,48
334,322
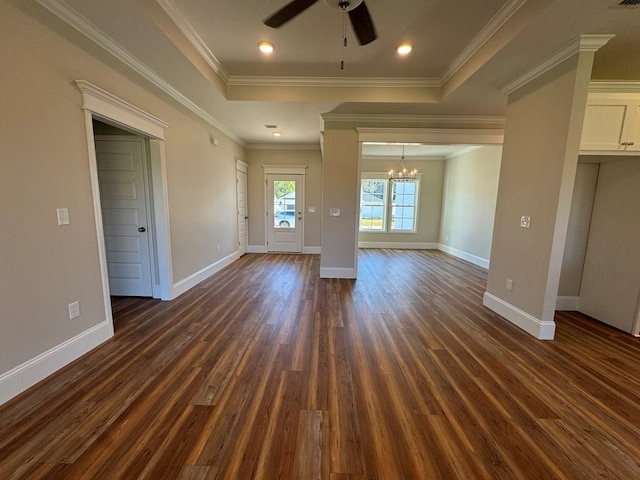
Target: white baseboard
263,249
567,304
192,280
399,245
20,378
542,330
326,272
479,261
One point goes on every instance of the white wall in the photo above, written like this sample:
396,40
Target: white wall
469,204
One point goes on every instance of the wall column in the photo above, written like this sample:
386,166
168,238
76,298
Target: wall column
340,191
539,160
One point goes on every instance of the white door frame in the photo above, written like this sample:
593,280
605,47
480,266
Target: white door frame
242,167
283,170
102,105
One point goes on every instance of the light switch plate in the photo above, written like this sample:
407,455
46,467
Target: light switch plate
63,216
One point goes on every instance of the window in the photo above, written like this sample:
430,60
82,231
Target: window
387,205
373,200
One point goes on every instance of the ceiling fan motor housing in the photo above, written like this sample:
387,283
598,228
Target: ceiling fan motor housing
339,4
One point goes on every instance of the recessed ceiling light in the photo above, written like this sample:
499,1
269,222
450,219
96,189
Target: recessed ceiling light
265,47
276,134
405,49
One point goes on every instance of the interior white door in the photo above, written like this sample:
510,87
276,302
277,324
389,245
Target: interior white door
122,177
610,286
284,213
241,192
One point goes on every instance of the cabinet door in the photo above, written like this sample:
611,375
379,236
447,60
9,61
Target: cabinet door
631,132
604,125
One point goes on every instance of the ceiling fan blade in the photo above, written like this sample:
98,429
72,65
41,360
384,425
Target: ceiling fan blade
362,24
289,11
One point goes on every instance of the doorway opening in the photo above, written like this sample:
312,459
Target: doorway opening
127,213
112,111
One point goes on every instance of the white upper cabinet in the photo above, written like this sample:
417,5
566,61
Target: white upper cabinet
611,123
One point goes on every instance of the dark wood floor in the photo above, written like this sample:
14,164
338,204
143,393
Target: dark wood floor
267,371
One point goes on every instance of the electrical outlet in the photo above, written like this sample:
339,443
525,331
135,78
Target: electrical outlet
525,221
218,248
509,285
74,310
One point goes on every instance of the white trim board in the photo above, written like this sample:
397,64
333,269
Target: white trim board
256,249
328,272
311,250
399,245
538,328
479,261
192,280
24,376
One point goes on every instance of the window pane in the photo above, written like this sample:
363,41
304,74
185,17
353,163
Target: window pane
372,205
403,212
284,204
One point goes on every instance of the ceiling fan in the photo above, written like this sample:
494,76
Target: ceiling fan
356,9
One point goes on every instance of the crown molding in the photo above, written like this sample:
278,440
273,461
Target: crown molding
88,29
489,30
284,146
192,35
334,82
584,43
418,120
614,86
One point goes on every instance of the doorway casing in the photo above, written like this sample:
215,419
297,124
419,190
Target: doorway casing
101,105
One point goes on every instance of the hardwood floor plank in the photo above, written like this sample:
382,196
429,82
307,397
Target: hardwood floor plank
308,459
267,371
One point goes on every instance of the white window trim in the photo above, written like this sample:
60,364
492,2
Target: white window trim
386,222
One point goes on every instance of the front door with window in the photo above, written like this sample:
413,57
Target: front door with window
284,213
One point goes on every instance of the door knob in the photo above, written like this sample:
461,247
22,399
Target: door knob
142,229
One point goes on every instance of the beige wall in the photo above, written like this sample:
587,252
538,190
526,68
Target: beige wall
540,153
44,164
340,189
578,230
256,158
469,204
430,199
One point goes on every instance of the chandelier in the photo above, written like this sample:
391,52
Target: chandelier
401,173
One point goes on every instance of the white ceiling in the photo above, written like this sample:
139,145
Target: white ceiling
465,51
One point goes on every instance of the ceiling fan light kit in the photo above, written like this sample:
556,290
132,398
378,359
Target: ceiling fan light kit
404,49
266,47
